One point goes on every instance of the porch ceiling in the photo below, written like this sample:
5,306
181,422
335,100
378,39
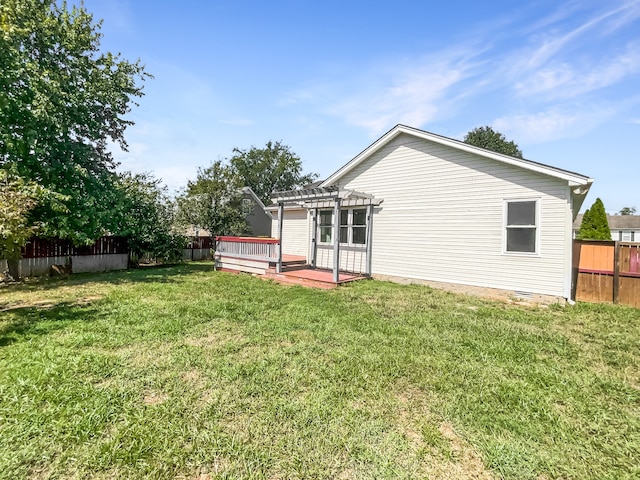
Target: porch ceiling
318,194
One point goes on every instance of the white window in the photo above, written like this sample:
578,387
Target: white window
626,236
521,226
325,225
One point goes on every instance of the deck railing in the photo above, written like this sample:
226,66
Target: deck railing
252,248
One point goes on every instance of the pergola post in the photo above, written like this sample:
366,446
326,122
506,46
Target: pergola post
336,241
314,238
368,239
280,223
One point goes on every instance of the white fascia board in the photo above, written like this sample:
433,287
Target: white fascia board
574,179
288,207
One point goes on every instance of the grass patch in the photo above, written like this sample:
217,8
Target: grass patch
189,373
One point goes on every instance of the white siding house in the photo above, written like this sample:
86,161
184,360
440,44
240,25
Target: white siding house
450,213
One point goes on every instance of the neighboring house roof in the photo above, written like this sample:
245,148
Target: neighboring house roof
315,184
616,222
574,179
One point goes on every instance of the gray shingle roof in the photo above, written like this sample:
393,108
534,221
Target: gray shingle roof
616,222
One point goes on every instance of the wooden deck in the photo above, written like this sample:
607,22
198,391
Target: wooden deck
296,271
311,277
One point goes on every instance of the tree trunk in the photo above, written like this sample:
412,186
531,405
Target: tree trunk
13,266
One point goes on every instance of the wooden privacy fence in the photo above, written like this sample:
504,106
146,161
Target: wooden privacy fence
199,248
607,271
39,255
41,247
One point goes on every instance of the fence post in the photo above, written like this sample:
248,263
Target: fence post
616,272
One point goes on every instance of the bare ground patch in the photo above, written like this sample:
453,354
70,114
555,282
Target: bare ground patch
442,453
152,397
215,339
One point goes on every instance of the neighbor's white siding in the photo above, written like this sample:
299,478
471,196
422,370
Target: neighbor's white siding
443,218
295,231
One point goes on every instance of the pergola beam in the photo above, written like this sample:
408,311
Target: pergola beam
317,194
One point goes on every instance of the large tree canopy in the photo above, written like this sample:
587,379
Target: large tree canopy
272,168
487,137
213,201
61,102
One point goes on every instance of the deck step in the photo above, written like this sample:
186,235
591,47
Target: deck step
301,261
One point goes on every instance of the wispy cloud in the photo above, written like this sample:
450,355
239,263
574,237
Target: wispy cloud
411,98
237,122
554,123
547,45
413,92
565,80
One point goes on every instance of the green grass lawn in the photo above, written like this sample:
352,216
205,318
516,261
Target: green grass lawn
183,372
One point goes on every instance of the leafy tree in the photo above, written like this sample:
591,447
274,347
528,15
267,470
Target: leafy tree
144,214
272,168
213,201
488,138
61,102
627,211
595,225
17,199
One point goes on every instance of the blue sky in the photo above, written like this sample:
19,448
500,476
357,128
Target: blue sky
561,79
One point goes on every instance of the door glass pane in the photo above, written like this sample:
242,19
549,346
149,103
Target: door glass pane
326,217
325,234
360,216
344,217
344,234
359,235
521,213
521,240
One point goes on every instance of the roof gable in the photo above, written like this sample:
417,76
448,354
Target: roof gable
572,178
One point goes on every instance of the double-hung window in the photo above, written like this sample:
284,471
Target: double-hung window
359,226
521,234
353,226
326,226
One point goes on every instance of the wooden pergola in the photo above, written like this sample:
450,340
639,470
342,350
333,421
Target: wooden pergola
326,197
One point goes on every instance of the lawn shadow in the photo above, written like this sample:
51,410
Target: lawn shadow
155,274
26,322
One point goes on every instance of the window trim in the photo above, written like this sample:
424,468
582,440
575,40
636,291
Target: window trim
321,225
349,226
537,226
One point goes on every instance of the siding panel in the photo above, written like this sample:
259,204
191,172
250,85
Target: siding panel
295,232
